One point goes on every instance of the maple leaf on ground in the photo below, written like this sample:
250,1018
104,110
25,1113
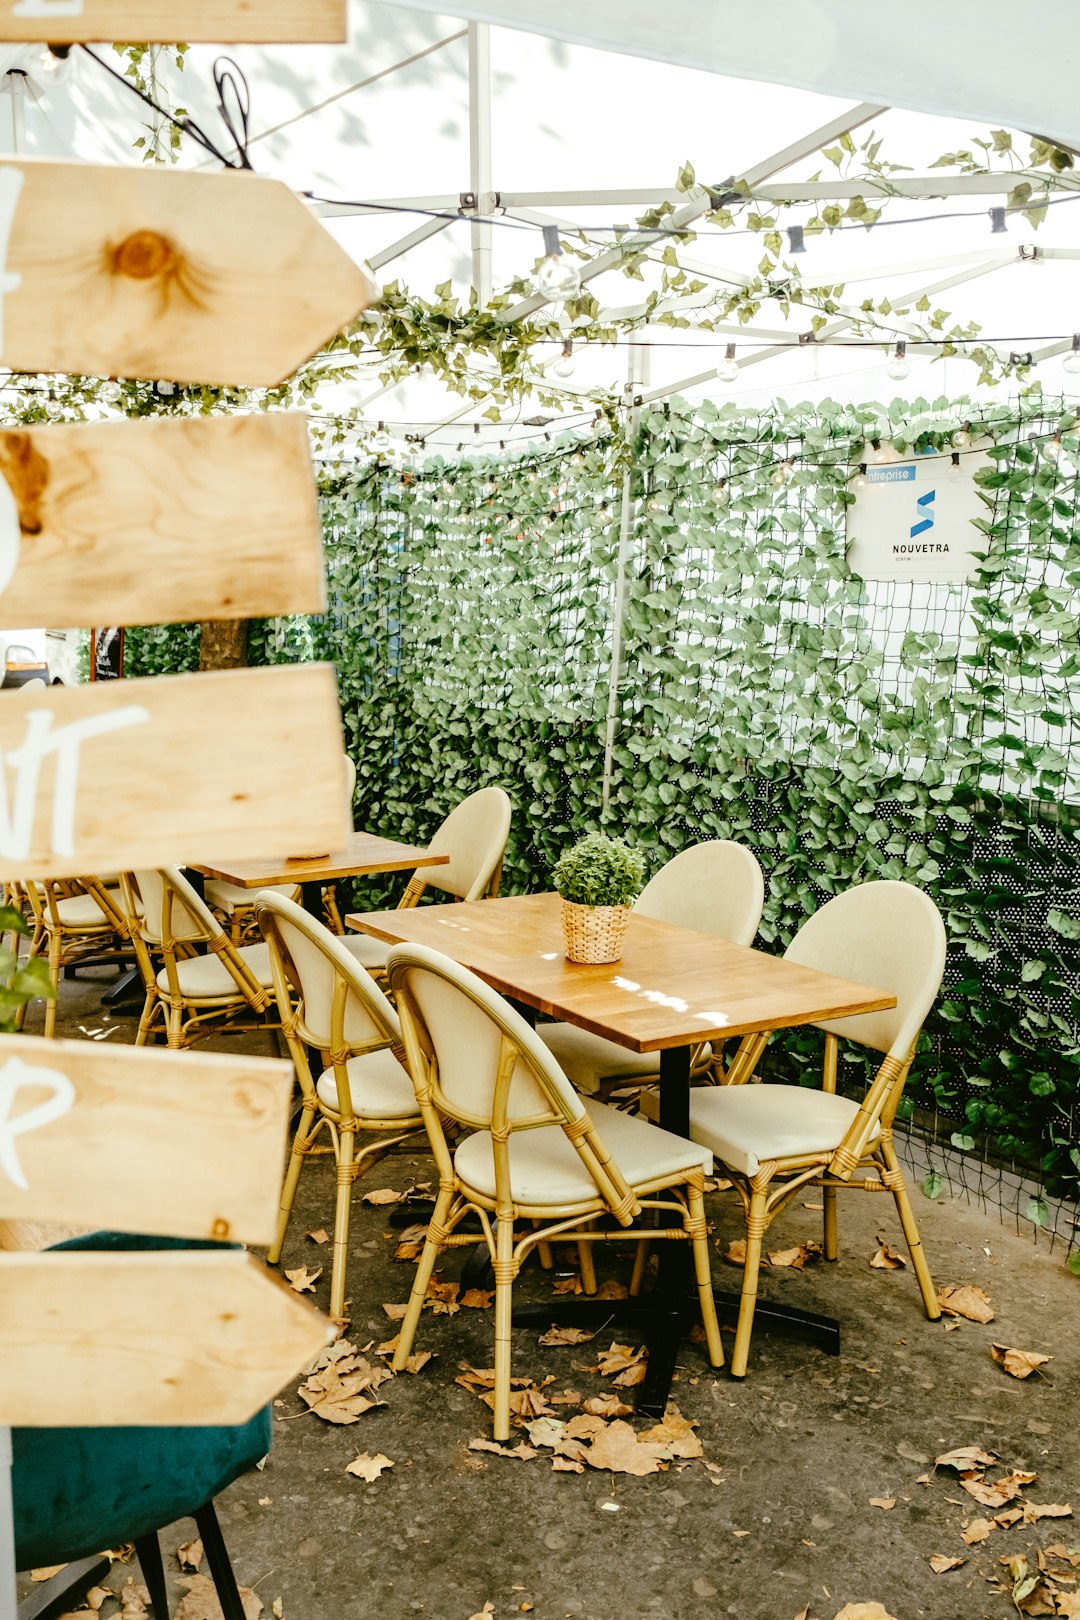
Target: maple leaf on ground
619,1450
863,1611
619,1360
885,1502
396,1313
320,1235
996,1492
886,1259
489,1608
419,1361
795,1259
568,1285
735,1253
940,1562
612,1290
965,1458
675,1433
190,1554
1018,1363
385,1195
301,1280
477,1299
201,1602
369,1468
524,1403
606,1406
566,1465
523,1452
343,1390
570,1335
968,1301
977,1531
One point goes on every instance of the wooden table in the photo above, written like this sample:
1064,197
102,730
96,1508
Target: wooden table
671,990
365,855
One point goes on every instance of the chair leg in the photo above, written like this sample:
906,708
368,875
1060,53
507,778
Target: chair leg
432,1249
756,1222
346,1175
217,1556
697,1230
55,950
829,1232
143,1034
588,1270
304,1132
148,1552
894,1179
504,1289
641,1260
546,1254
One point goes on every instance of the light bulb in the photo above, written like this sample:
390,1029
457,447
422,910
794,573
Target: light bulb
165,389
577,459
655,504
532,476
881,451
728,370
1051,450
54,63
111,392
781,474
1071,361
720,494
961,438
955,470
381,441
898,367
859,481
564,365
556,278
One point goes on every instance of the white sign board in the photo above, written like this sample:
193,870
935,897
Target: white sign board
914,519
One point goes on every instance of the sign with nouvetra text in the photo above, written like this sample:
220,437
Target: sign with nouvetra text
915,519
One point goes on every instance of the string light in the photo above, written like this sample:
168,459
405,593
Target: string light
381,441
556,278
962,437
720,493
859,481
728,369
1051,450
564,366
955,470
899,367
781,473
1071,362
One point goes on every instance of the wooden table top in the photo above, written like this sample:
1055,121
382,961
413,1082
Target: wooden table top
366,853
672,987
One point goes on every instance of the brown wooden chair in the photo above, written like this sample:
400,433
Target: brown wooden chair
329,1004
540,1163
773,1140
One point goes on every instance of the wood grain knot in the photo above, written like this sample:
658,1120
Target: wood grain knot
26,472
144,256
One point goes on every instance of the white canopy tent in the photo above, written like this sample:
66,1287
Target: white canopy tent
495,131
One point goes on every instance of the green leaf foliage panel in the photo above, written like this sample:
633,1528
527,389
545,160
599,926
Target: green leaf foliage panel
843,729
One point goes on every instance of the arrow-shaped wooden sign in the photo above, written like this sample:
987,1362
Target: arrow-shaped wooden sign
222,22
193,278
156,521
168,771
200,1138
156,1337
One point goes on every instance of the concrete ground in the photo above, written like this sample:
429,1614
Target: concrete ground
782,1525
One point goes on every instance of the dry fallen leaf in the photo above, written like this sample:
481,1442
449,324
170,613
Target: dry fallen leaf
977,1531
675,1433
996,1492
201,1602
416,1363
885,1502
302,1281
343,1390
277,1609
489,1608
965,1458
1069,1604
973,1303
566,1465
940,1562
134,1599
396,1313
795,1258
627,1365
190,1554
606,1406
524,1403
477,1299
384,1195
619,1450
568,1285
523,1452
369,1468
735,1253
612,1290
410,1243
46,1572
570,1335
886,1259
1019,1363
320,1235
863,1611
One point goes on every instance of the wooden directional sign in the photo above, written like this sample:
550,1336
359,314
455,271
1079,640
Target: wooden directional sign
222,22
156,521
184,1337
135,1139
194,278
167,771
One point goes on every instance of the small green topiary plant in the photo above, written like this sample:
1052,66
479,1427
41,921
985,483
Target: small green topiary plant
600,871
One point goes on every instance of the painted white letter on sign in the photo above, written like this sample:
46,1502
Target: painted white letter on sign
17,816
13,1077
48,8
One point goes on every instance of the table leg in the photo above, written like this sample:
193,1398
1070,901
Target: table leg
311,899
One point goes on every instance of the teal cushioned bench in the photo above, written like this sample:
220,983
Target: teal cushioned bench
77,1491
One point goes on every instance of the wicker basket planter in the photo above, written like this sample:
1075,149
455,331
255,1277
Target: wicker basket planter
594,933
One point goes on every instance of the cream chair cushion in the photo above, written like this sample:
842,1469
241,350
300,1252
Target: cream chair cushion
380,1088
82,911
545,1168
589,1061
228,896
369,952
746,1126
203,976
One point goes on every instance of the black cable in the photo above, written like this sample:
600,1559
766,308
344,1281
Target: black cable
228,78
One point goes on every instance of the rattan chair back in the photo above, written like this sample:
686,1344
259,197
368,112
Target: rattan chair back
474,837
714,888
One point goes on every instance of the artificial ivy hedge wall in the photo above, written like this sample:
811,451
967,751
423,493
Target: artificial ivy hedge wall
843,729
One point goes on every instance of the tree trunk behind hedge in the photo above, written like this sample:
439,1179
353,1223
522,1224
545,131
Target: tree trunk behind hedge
223,644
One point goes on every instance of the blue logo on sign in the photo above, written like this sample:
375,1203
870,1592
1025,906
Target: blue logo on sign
926,503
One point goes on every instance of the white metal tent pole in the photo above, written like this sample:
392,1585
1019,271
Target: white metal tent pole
635,374
480,157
